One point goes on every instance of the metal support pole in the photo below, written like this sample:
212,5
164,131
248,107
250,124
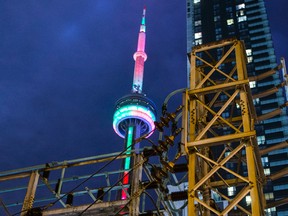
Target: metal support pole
135,186
30,194
247,121
191,137
191,183
136,177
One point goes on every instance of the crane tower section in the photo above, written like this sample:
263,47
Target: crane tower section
219,101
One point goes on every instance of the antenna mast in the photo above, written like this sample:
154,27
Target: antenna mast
140,57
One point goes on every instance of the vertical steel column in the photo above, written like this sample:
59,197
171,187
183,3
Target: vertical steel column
191,114
30,194
247,126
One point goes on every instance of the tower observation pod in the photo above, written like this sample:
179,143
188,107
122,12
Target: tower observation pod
134,113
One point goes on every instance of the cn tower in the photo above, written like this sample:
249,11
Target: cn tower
135,113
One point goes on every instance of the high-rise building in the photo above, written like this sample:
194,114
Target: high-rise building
214,20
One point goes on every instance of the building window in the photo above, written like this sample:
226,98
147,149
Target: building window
267,171
227,154
231,191
198,23
230,22
240,6
249,59
256,101
269,196
198,35
248,200
198,42
252,84
265,161
260,140
196,1
248,52
270,211
242,18
240,13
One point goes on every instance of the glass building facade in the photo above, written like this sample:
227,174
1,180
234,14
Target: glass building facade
214,20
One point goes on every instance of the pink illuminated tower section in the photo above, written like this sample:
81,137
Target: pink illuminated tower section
140,57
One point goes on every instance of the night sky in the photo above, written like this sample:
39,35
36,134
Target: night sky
64,63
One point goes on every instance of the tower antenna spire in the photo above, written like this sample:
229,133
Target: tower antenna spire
140,57
143,16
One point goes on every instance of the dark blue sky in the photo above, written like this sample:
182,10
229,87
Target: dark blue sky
64,63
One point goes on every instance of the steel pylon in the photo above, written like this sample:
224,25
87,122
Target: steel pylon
218,101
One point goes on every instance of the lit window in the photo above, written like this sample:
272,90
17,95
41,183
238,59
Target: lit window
248,200
240,13
260,140
227,154
252,84
198,35
249,59
249,52
265,161
198,22
230,22
242,19
256,101
270,211
231,191
198,42
237,106
267,171
196,1
240,6
269,196
215,196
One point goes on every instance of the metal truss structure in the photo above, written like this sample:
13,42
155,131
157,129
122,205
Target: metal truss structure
216,161
87,186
